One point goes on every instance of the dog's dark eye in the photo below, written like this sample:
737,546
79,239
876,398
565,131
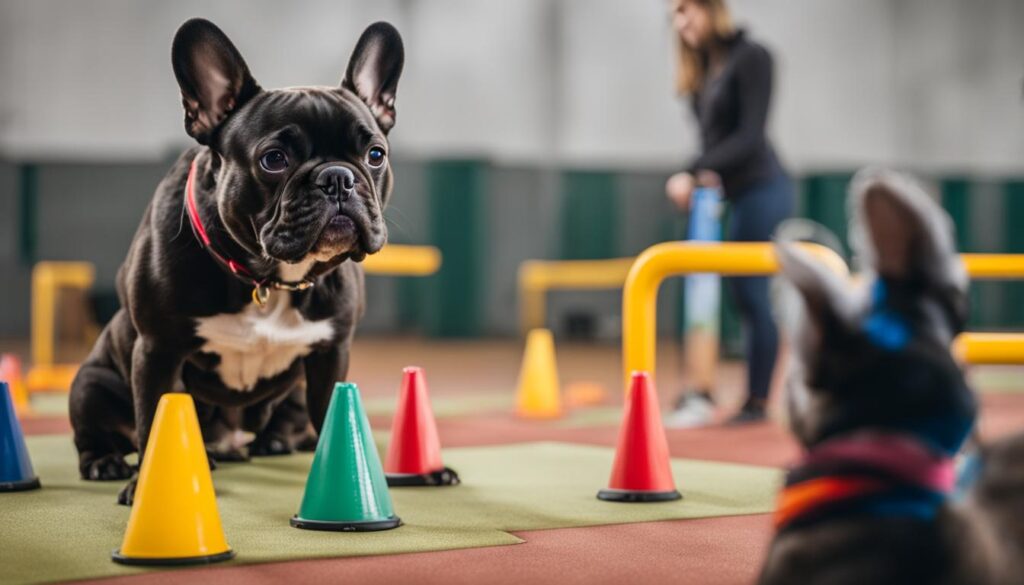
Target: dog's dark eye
274,161
375,156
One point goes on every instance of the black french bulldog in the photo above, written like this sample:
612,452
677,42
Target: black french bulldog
881,408
260,298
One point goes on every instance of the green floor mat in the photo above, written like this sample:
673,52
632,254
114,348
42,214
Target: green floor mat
592,416
997,379
447,406
56,403
66,530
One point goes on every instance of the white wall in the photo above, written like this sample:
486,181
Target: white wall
959,74
477,79
835,97
921,83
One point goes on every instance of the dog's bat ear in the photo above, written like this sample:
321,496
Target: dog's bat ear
902,233
826,302
214,79
374,69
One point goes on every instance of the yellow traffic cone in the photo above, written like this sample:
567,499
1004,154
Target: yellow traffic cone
538,395
174,520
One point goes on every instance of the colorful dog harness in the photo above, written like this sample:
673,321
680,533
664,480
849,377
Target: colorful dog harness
903,469
867,473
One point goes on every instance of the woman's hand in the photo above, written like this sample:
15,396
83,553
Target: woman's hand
679,190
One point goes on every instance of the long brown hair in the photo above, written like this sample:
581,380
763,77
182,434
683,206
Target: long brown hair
692,64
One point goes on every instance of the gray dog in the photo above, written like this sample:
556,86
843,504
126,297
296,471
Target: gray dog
881,408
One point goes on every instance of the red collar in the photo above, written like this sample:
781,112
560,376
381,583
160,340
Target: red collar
260,287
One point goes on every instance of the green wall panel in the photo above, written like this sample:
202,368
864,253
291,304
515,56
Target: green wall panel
28,178
590,215
1013,308
956,199
823,199
456,194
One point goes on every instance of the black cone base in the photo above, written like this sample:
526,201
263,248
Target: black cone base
356,526
446,476
117,557
20,486
610,495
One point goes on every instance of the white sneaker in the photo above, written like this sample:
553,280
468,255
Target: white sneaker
693,409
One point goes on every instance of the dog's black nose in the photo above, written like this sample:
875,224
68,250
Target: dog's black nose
337,181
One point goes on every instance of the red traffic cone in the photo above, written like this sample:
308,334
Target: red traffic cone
414,454
642,470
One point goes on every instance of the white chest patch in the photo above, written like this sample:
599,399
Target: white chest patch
259,342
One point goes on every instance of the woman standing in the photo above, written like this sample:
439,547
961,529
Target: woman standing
728,80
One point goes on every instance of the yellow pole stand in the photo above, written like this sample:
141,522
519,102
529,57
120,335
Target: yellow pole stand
994,266
537,277
47,279
639,297
400,260
653,265
989,348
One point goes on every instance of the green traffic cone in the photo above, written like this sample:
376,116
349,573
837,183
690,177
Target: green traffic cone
346,489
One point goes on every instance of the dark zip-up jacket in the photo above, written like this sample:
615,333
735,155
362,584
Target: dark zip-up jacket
732,111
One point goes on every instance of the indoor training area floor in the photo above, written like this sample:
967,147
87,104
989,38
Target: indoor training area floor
526,512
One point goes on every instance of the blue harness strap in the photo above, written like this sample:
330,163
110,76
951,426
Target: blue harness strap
884,327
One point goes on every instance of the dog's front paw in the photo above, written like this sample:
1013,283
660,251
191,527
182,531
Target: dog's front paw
211,459
307,444
233,455
106,468
269,446
127,495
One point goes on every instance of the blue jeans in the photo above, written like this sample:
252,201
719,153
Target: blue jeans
756,211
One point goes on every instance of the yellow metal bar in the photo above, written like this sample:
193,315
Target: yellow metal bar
532,309
47,279
639,298
43,308
401,260
994,266
653,265
537,277
596,274
989,348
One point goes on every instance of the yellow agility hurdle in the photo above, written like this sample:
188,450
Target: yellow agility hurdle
639,297
403,260
655,264
989,348
994,266
537,277
50,277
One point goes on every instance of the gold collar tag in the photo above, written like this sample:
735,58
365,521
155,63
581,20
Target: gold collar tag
260,295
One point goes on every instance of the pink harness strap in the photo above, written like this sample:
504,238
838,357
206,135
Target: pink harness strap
898,455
